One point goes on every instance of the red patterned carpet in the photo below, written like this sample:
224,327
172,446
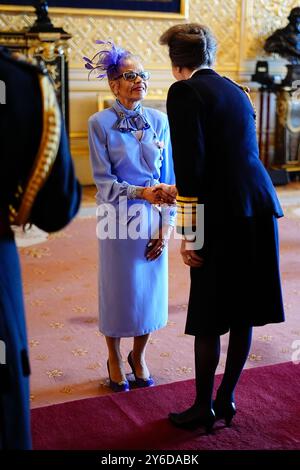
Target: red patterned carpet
268,417
68,354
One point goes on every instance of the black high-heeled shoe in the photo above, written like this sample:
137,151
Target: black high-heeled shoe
224,409
193,418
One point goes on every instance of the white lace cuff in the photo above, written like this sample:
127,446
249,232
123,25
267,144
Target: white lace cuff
134,192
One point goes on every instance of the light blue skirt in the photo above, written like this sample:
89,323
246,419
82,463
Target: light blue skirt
133,292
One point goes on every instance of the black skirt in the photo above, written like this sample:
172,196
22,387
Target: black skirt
239,283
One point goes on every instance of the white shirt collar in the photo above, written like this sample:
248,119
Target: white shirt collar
197,70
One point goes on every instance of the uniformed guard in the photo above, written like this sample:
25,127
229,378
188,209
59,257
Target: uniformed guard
38,186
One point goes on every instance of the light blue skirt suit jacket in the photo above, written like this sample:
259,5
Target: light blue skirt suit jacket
133,292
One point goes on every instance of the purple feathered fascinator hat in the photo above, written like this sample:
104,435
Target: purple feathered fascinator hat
106,62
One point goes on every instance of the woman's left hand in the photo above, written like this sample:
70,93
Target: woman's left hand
157,244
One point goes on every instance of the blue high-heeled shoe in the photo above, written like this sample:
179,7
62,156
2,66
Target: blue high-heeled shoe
138,380
122,386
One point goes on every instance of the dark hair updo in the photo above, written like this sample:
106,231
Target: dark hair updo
190,45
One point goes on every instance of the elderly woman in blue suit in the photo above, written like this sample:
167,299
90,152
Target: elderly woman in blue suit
133,170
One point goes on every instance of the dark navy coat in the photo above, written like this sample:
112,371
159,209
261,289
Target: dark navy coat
216,160
215,147
21,119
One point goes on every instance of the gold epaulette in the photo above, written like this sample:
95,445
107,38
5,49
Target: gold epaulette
25,194
186,212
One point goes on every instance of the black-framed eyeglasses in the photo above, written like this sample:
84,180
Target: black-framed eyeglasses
130,76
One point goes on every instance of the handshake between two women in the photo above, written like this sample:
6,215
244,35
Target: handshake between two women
160,194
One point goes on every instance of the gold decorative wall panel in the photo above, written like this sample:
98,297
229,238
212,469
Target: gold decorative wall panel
241,27
141,34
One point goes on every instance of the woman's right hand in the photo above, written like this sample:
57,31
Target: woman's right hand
160,194
190,257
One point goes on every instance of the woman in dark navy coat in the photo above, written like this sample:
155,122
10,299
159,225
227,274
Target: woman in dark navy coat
33,147
235,279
